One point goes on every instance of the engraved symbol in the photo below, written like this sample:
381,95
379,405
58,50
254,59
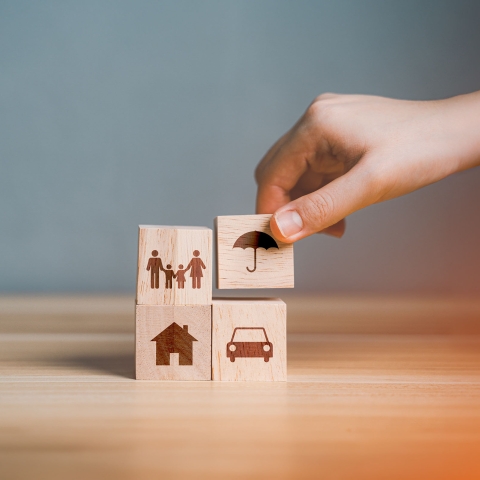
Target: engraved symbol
155,266
180,276
174,339
169,275
249,349
196,264
255,240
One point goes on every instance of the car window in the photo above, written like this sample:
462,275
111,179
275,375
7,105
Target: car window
249,335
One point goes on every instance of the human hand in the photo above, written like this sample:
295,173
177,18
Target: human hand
350,151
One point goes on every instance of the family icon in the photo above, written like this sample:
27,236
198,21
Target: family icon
155,266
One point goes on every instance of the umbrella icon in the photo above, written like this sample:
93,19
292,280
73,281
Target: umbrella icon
255,240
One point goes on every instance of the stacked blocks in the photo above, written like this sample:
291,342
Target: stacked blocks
174,296
181,334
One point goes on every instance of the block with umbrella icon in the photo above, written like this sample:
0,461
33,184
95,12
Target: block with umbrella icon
248,255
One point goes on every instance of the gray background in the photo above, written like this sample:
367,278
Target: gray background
116,113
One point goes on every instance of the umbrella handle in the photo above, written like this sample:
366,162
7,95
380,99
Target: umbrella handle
254,261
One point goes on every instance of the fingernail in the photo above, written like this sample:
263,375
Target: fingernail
289,222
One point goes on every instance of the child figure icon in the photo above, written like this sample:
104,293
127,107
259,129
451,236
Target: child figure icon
180,276
169,276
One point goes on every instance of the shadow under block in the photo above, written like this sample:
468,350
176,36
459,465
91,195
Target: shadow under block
249,339
174,265
248,256
173,342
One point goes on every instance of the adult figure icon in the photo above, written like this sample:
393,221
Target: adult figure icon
196,265
154,266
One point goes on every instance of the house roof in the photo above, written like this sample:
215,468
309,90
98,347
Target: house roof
174,330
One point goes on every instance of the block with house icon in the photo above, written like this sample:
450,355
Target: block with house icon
173,342
173,307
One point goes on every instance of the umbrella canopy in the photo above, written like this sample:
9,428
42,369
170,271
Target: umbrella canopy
255,240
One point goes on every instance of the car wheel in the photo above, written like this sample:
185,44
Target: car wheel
266,359
232,358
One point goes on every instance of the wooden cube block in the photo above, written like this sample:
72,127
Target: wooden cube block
174,265
173,342
249,339
248,256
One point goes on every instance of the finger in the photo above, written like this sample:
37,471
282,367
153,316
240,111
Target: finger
285,168
268,157
309,182
271,154
325,207
336,230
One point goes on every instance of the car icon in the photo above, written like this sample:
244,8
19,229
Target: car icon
249,349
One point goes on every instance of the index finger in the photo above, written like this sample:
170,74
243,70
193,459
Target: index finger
280,172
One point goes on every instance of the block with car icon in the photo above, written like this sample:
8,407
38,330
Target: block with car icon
249,339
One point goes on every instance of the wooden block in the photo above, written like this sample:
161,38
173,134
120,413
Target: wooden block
173,342
249,339
174,265
248,256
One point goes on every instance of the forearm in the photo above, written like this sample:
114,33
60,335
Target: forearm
462,130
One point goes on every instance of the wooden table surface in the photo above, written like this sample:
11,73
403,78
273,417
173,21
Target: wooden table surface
381,388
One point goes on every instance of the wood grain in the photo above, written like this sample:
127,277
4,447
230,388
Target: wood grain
250,315
274,266
366,406
174,246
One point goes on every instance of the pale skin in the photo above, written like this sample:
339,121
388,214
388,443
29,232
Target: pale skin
347,152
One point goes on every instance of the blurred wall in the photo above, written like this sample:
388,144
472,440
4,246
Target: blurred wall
116,113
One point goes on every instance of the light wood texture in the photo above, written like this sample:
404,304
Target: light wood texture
383,314
258,347
175,247
274,266
394,405
173,342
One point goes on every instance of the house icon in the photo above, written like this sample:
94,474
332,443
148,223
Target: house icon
175,339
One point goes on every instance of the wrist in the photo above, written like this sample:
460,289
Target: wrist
462,130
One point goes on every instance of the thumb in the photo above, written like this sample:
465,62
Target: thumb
325,207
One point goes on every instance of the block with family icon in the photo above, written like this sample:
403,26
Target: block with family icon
174,265
181,333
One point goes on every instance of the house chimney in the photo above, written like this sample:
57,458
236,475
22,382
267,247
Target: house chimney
185,327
